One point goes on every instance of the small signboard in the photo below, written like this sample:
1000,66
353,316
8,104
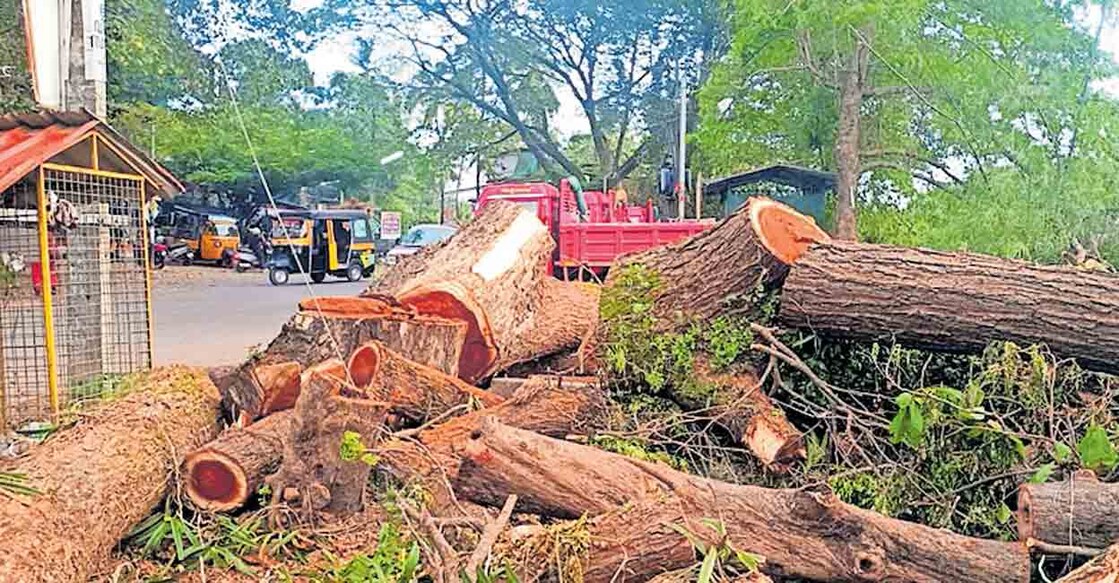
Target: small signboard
390,225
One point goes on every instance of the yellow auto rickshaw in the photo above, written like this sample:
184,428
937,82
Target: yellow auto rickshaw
334,242
217,239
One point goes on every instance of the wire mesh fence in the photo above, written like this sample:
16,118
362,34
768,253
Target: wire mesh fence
93,294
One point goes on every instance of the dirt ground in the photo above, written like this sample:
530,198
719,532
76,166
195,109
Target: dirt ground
209,316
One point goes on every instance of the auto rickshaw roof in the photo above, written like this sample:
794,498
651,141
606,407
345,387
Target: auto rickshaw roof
323,214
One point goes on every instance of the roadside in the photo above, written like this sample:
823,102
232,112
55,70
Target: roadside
208,316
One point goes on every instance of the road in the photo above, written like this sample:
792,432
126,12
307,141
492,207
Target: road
208,316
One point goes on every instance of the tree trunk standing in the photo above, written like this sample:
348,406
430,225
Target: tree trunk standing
1081,512
954,302
848,140
802,533
100,478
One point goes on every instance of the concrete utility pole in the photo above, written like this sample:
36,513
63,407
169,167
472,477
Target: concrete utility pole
67,53
682,158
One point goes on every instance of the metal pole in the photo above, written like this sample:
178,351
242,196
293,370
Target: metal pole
681,186
48,297
698,196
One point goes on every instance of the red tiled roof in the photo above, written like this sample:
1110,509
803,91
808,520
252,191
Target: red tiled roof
30,139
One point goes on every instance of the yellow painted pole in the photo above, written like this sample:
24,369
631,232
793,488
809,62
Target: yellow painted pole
48,296
147,270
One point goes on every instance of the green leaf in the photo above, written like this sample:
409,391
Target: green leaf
707,569
1003,514
1061,452
1042,474
908,425
1095,449
749,561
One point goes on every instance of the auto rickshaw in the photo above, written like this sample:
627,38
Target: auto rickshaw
218,240
322,242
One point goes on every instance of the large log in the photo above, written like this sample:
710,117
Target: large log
1080,512
413,390
492,275
1101,569
225,473
725,272
553,406
319,333
722,271
956,302
97,480
801,533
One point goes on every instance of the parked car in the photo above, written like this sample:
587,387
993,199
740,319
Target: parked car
417,238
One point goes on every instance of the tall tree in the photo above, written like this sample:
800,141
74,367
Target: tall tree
932,91
617,60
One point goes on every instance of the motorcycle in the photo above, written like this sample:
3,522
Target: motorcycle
182,254
247,257
159,255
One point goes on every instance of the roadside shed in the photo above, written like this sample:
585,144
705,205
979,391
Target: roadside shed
804,189
75,286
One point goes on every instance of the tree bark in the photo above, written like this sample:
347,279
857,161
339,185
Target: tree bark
721,271
955,302
1081,512
225,473
1102,569
553,406
413,390
738,404
309,338
99,479
801,533
492,276
313,473
848,140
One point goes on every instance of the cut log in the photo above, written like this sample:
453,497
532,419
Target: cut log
99,479
1101,569
801,533
1080,512
492,276
309,339
313,472
719,272
739,405
224,474
555,406
955,302
413,390
279,385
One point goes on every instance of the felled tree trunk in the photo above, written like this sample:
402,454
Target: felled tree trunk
739,404
97,480
1081,512
1102,569
492,276
314,473
956,302
553,406
226,472
801,533
311,337
725,270
411,389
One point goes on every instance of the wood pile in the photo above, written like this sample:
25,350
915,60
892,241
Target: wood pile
395,382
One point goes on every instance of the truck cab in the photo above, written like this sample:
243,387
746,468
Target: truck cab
587,243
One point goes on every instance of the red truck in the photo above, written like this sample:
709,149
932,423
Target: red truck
610,227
